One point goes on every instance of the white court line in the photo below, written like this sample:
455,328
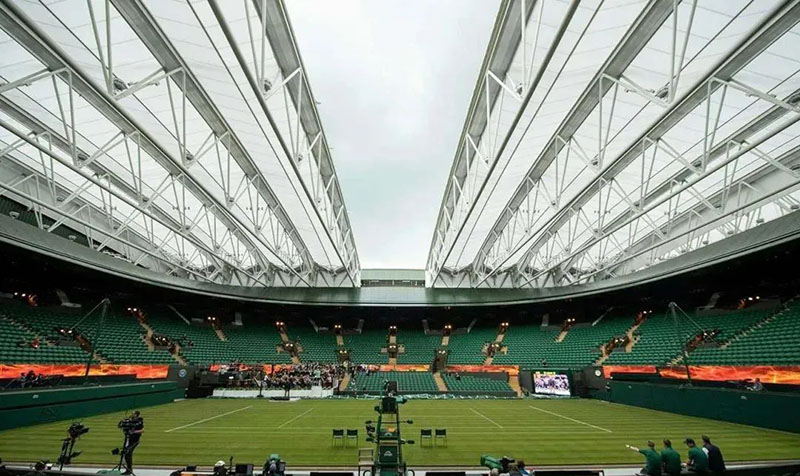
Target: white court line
571,419
484,416
207,419
295,418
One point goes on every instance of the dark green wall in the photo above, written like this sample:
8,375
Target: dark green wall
780,411
30,407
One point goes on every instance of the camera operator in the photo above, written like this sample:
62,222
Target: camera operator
133,427
220,469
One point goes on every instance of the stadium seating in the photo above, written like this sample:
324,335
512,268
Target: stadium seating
22,322
11,334
251,344
365,348
407,382
660,342
123,341
466,348
316,347
419,348
749,336
470,383
771,341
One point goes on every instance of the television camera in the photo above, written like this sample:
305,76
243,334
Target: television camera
385,433
128,424
500,464
274,466
74,431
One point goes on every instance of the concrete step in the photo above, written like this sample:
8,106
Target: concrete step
440,382
345,382
513,382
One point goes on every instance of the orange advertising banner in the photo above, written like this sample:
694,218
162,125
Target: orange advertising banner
628,369
512,370
78,370
785,374
788,374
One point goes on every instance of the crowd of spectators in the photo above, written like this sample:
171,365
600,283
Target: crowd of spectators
303,376
32,379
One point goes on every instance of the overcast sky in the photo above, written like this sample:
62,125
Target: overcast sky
394,78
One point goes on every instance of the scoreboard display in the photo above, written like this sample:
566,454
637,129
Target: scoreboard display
551,383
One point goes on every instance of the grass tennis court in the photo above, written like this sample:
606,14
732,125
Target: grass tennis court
539,431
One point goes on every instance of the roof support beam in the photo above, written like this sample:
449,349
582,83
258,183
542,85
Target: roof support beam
771,29
276,30
27,34
654,14
465,185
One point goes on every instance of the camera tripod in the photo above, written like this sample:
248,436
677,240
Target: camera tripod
121,451
67,445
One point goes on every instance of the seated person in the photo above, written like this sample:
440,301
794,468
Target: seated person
670,459
652,459
698,460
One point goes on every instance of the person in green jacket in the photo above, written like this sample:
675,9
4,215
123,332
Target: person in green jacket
652,465
671,459
698,460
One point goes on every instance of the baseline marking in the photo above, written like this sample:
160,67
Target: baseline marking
295,418
486,418
207,419
571,419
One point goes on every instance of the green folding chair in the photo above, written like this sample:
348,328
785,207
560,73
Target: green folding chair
426,434
337,435
351,435
441,434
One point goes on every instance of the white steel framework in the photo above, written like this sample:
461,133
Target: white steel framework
622,134
143,124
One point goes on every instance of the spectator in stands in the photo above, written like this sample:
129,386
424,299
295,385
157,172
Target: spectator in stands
652,466
303,376
757,386
670,459
698,461
715,462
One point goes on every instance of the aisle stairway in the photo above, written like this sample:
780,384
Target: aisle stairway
178,357
632,340
437,376
513,382
345,382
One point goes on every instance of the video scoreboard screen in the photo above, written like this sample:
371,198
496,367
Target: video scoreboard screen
551,383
